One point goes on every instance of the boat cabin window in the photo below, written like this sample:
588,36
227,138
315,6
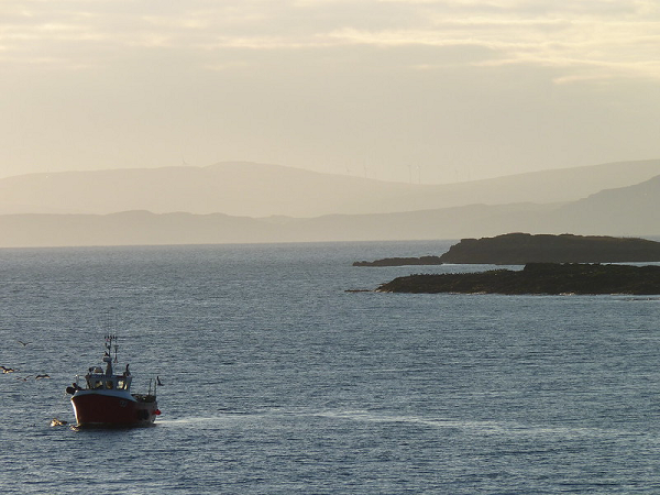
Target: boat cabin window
108,383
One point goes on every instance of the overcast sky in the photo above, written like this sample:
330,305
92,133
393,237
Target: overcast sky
405,90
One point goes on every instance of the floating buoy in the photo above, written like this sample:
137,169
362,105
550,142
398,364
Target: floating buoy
157,412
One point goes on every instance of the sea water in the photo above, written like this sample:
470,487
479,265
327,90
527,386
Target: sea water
278,378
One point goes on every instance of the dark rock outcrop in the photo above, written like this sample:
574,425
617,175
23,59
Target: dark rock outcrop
422,260
519,249
538,278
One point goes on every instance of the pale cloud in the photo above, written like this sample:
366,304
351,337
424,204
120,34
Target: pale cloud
497,84
587,34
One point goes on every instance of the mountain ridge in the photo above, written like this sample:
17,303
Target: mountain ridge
600,214
259,190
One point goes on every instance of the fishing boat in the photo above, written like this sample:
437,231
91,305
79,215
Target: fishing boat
102,398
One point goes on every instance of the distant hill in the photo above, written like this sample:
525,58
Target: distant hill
130,228
257,190
627,211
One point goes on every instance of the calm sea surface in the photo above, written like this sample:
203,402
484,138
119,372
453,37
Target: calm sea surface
278,381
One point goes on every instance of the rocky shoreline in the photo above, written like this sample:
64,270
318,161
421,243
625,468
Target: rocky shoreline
537,278
422,260
521,248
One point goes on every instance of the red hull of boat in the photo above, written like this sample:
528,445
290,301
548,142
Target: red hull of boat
107,411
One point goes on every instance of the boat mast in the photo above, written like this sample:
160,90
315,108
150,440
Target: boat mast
107,358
